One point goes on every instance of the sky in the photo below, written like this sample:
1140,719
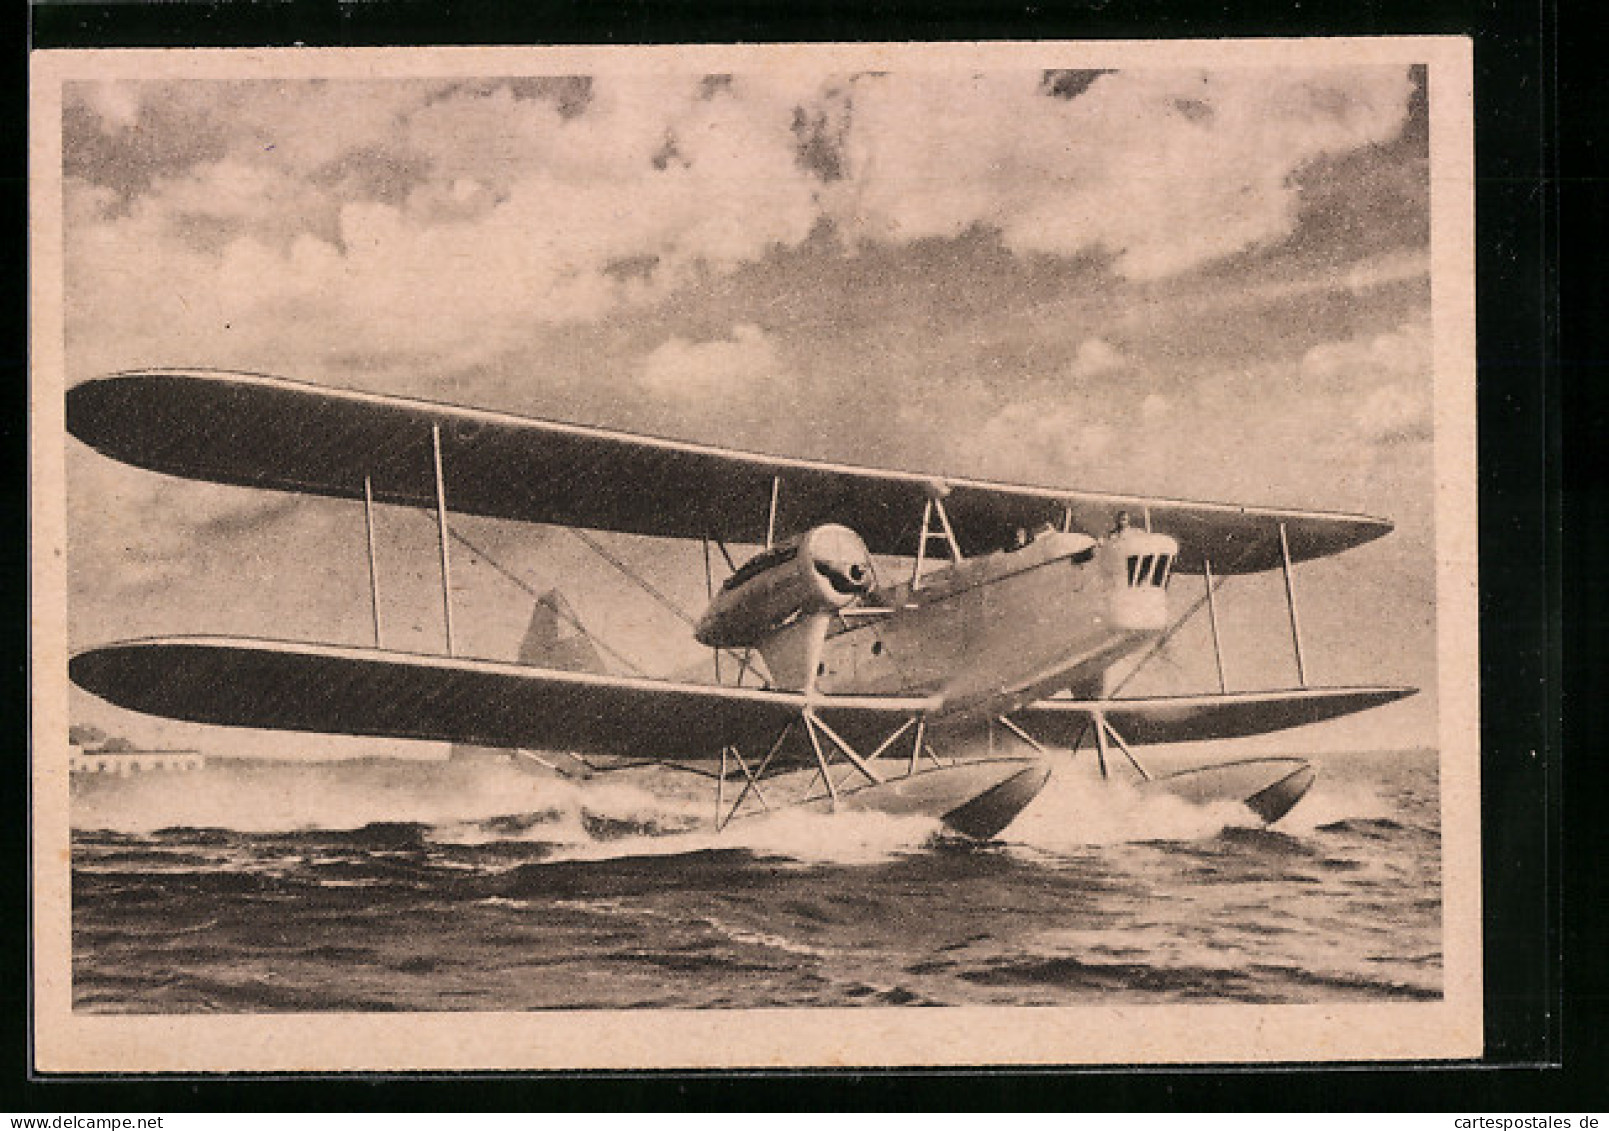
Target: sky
1207,284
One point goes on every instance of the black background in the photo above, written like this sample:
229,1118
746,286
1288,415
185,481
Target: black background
1534,155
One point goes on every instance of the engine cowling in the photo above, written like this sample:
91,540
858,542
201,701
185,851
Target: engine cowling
825,569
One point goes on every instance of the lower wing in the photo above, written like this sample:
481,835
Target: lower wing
363,691
1194,718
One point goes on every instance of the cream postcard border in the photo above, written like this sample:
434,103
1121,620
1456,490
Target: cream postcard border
65,1041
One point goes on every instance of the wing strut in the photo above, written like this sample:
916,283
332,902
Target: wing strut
771,518
944,532
374,574
1212,619
709,595
1290,603
441,525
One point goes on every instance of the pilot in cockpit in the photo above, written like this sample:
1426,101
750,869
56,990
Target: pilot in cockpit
1026,537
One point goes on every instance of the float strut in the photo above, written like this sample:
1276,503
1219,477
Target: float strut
720,791
916,744
847,750
753,782
1024,735
1124,747
883,746
821,761
1100,742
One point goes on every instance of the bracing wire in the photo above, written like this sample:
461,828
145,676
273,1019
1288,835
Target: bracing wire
631,575
648,587
1162,642
567,617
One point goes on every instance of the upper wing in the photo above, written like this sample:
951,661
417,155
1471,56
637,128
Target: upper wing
266,432
362,691
1192,718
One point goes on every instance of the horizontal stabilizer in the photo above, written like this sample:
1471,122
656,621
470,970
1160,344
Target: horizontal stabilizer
266,432
1194,718
363,691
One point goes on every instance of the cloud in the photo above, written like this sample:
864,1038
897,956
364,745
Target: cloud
1395,414
1386,270
149,530
449,225
1393,355
441,222
1050,442
1164,170
116,104
1155,408
1386,376
1095,358
745,365
1271,430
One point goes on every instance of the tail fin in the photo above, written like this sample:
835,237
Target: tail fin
555,638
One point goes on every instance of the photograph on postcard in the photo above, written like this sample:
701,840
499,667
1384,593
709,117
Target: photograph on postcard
834,530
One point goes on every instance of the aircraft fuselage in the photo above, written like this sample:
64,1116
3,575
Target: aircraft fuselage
992,633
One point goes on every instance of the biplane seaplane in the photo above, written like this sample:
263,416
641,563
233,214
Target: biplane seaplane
853,683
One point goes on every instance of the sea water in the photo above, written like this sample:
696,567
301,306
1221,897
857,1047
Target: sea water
396,885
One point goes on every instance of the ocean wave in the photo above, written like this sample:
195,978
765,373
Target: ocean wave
375,804
280,797
1078,810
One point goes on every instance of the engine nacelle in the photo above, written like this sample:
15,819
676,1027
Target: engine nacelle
822,570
